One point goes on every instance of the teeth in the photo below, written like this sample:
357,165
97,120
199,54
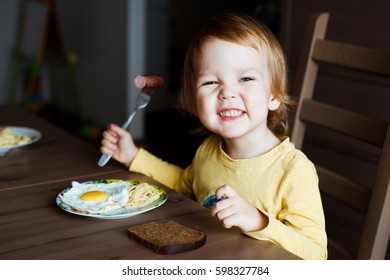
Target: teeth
230,113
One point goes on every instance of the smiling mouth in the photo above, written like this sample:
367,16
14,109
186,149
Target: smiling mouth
231,113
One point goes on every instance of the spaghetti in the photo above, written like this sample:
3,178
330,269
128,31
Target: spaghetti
9,138
142,195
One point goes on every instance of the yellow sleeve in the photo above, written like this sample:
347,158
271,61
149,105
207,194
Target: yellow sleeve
300,227
171,175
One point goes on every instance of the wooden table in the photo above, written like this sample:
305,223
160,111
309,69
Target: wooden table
32,226
41,161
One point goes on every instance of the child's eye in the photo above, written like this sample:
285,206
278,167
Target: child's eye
246,79
209,83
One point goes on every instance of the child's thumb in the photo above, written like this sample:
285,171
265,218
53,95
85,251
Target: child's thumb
225,191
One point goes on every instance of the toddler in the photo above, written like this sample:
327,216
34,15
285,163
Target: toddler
246,171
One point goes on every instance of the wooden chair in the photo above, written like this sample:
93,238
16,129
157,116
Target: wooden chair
374,204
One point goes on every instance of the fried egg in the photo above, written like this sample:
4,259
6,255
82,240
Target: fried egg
97,198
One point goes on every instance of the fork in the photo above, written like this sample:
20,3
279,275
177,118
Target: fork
141,102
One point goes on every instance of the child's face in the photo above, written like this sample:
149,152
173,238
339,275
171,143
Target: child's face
233,90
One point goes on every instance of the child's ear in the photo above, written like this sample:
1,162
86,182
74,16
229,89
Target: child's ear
274,103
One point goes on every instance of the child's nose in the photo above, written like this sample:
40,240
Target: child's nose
227,92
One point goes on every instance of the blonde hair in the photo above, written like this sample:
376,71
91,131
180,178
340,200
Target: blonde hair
240,29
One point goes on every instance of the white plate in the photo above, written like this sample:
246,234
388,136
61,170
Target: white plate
117,213
35,135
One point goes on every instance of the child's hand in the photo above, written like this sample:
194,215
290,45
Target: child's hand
235,210
118,142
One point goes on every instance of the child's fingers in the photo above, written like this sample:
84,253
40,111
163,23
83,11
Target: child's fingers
225,191
109,136
116,130
120,133
219,206
229,221
108,144
222,209
225,213
222,194
106,150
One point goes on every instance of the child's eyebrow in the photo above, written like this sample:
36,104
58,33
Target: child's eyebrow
204,76
250,71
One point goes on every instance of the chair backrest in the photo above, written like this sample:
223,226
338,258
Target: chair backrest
373,203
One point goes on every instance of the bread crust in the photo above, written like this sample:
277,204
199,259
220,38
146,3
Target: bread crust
167,238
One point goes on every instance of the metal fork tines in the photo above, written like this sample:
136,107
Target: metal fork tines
141,102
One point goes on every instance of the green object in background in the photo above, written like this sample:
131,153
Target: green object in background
32,86
40,40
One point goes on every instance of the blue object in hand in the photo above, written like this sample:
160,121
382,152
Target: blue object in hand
211,200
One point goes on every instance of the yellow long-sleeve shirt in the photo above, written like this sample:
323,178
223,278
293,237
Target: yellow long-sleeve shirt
281,183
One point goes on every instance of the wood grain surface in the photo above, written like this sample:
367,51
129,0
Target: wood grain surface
32,226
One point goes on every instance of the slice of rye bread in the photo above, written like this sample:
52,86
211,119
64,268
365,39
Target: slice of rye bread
167,238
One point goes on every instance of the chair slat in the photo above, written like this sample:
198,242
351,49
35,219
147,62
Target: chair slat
355,57
344,190
375,204
346,122
377,229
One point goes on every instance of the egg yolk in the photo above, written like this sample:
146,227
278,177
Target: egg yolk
94,196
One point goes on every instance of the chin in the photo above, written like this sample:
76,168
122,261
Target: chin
228,134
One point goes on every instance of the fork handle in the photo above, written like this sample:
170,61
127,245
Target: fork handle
129,119
104,159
